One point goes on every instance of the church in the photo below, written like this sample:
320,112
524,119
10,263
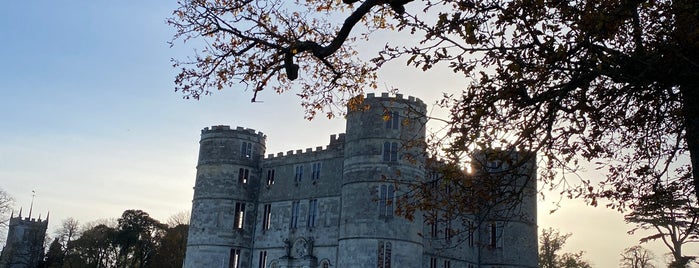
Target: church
334,205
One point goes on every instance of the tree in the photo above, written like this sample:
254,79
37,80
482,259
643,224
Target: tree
637,257
55,255
173,247
671,212
138,237
550,244
179,218
96,247
6,202
560,78
69,230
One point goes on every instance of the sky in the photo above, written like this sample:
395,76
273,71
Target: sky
90,121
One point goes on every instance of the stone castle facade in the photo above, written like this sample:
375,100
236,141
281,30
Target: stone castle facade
25,242
333,206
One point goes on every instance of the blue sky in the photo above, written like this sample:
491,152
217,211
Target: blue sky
89,119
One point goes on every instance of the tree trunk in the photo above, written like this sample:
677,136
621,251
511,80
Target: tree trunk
686,36
690,99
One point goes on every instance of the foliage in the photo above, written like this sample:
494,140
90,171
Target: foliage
6,202
173,247
179,218
138,238
617,88
637,257
55,255
134,240
551,242
95,248
672,214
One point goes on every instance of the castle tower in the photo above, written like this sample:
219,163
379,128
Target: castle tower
508,233
384,145
225,194
25,242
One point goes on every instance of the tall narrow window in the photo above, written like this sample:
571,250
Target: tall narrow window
298,175
234,258
312,212
384,255
294,214
243,175
447,264
390,151
266,216
471,234
434,229
493,235
246,150
270,176
239,218
392,120
263,259
386,193
433,262
315,171
447,231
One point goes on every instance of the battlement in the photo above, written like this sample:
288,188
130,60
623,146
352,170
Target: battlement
396,97
224,128
336,141
27,220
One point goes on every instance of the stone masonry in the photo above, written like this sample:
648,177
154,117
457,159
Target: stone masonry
333,206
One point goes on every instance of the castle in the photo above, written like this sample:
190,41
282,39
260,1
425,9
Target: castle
25,242
333,206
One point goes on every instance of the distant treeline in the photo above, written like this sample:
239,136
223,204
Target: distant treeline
133,240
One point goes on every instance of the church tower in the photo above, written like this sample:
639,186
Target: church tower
25,242
384,147
225,194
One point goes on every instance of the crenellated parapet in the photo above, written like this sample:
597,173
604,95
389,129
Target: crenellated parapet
227,131
336,142
395,98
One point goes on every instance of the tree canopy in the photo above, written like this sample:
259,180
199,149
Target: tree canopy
551,243
618,88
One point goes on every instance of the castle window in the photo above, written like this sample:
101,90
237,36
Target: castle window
294,214
315,172
312,212
239,218
447,231
384,255
266,216
433,262
243,175
433,229
298,175
263,259
494,166
270,176
495,230
234,258
246,150
471,234
447,264
390,151
325,264
392,120
386,194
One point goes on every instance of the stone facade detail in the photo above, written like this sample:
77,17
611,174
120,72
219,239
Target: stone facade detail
330,206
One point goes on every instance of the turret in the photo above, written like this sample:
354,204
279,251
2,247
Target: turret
384,147
225,191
